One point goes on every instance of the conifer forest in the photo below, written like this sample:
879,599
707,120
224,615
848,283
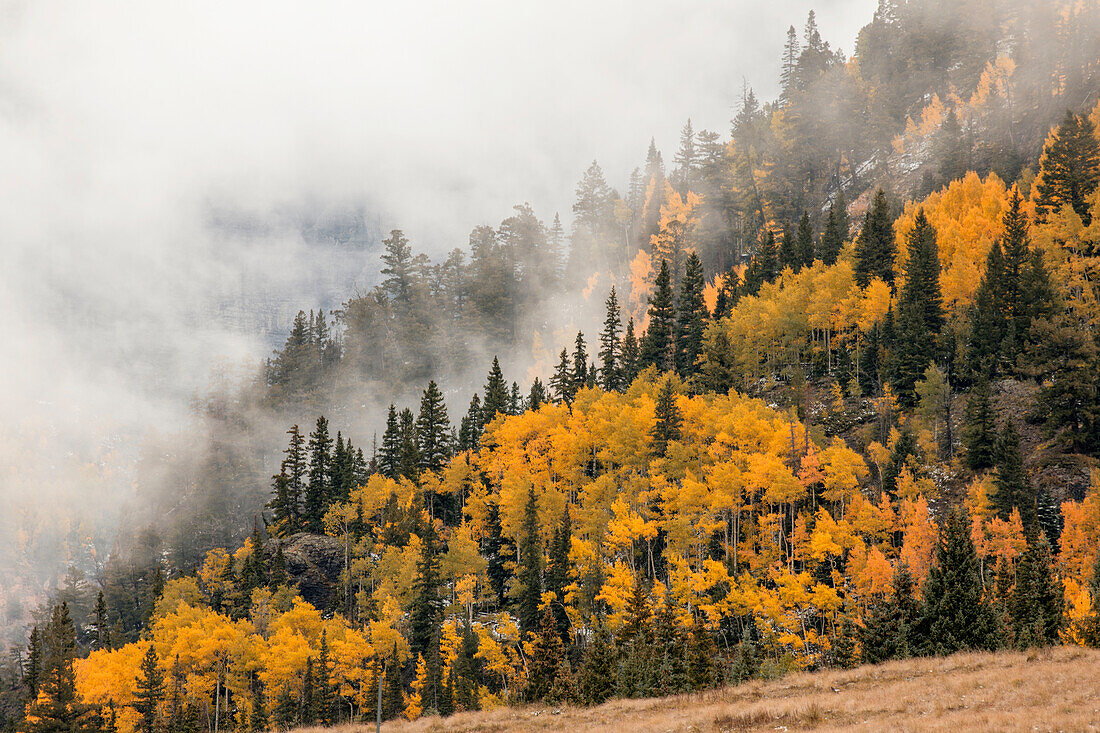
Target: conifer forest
815,389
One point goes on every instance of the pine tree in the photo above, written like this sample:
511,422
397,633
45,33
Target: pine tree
529,572
433,430
1038,601
987,323
595,680
32,675
496,394
610,348
559,573
493,551
289,485
657,347
920,310
669,418
686,160
56,707
788,250
515,400
547,654
875,244
409,456
325,710
320,464
257,717
804,244
1069,168
789,64
631,355
728,294
888,626
764,265
955,616
102,624
469,431
691,317
562,380
1012,490
389,454
424,614
149,691
579,374
836,231
400,269
393,694
537,396
980,431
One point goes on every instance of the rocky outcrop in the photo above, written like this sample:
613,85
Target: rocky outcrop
314,563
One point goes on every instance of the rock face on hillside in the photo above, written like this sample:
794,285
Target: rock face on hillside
314,563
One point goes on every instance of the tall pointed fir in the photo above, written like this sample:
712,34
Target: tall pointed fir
536,397
529,572
804,241
875,246
289,485
469,431
1069,168
1012,489
691,317
149,692
320,476
580,363
669,418
389,453
559,573
426,605
980,430
410,454
433,429
764,265
561,382
788,249
496,394
631,355
1038,600
610,348
836,231
920,310
657,347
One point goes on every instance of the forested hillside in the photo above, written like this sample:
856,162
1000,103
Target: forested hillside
840,405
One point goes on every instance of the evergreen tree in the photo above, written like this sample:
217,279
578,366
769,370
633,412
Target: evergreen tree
728,294
804,244
1011,486
529,572
494,552
400,269
686,160
433,430
559,573
887,632
389,454
409,456
424,614
836,231
1038,601
920,309
875,244
537,396
515,401
580,363
257,717
788,250
987,324
320,468
595,681
469,431
954,615
32,674
289,485
547,655
631,355
393,701
325,709
102,638
980,432
691,317
610,348
56,707
669,418
149,691
789,64
764,265
496,394
562,380
1069,168
657,346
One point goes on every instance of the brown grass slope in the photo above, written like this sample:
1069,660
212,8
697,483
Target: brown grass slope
1050,690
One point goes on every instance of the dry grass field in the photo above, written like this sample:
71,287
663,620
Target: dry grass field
1049,690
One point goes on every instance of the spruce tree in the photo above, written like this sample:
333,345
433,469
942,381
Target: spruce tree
888,625
610,348
955,616
559,572
764,265
433,430
493,549
1012,489
1069,168
669,418
789,255
595,680
579,374
804,244
920,310
980,431
987,322
529,572
728,294
409,456
149,691
424,614
691,317
320,469
469,431
657,343
496,394
102,638
537,396
393,702
325,708
562,380
1038,600
389,453
32,674
631,355
875,244
289,495
836,231
547,654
